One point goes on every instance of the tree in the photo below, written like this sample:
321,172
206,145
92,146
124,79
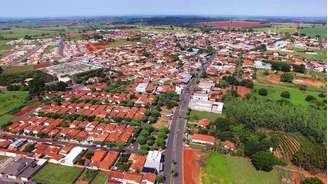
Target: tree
310,98
264,160
37,85
287,77
312,180
263,92
285,94
1,69
248,83
29,148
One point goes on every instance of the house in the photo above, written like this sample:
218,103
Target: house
153,162
203,123
131,178
137,162
206,86
200,96
203,139
228,145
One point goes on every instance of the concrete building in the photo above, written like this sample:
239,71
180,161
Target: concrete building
153,162
73,155
206,106
141,88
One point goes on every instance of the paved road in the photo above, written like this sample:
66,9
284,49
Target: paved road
174,150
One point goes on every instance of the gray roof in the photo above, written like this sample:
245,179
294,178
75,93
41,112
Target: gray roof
17,167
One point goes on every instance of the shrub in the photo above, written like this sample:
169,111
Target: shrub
287,77
285,94
312,180
310,98
264,160
263,92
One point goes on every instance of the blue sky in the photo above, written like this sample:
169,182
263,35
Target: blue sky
58,8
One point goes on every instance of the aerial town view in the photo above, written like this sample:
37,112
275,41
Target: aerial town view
172,92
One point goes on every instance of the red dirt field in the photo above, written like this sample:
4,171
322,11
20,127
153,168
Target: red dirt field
309,82
191,166
42,65
243,91
274,78
92,47
233,24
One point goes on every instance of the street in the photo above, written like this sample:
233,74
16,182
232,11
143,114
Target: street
173,152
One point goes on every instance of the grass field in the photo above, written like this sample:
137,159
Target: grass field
100,178
14,70
56,174
236,170
4,47
9,101
49,49
320,55
297,96
313,31
197,115
280,28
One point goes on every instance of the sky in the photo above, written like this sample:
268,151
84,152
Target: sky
61,8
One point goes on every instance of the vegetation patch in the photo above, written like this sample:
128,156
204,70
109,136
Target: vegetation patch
56,174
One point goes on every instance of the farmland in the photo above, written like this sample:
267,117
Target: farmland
56,174
318,55
314,31
229,169
9,101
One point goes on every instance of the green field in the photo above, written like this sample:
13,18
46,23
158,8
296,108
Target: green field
9,101
297,96
14,70
314,31
197,115
49,49
100,178
319,55
56,174
4,47
236,170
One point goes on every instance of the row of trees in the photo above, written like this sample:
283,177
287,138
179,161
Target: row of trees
285,67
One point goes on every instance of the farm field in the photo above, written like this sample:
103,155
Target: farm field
9,101
228,169
100,178
4,47
56,174
280,28
297,96
17,33
14,70
197,115
320,55
314,31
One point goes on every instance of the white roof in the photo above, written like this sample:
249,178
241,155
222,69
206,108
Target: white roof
75,152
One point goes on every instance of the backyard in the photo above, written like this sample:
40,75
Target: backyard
56,174
100,178
228,169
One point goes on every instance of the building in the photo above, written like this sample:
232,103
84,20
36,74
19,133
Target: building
73,155
22,168
206,86
141,88
153,162
200,96
206,105
203,139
